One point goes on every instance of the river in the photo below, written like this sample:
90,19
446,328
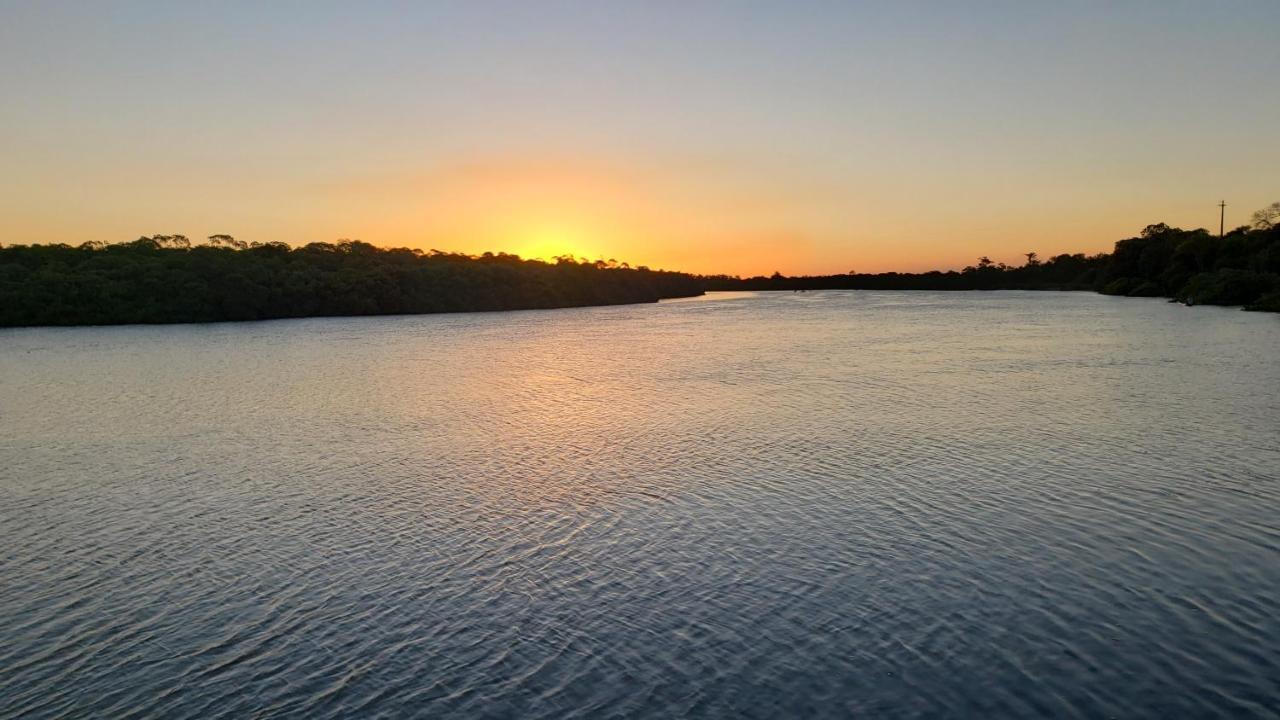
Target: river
824,504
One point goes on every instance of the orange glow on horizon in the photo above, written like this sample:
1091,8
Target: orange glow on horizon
549,240
687,214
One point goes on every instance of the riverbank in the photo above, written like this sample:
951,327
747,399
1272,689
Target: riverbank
162,280
1241,268
165,279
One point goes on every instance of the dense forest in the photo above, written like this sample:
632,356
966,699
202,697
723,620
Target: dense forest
1242,267
165,279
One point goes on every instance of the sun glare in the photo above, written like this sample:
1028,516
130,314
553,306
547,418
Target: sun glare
551,240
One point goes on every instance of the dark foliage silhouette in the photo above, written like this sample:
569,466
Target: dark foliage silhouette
1192,266
165,279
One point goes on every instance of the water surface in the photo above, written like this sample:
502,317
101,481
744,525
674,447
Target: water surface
820,504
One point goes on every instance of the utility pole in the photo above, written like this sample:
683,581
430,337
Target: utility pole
1222,217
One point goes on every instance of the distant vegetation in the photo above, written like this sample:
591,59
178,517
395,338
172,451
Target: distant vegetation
1193,266
167,279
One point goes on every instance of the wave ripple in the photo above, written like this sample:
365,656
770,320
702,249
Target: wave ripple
848,504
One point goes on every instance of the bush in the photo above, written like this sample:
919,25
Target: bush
1146,289
1267,303
1119,286
1228,286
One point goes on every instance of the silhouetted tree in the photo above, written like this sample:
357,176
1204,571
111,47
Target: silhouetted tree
228,242
171,241
1267,217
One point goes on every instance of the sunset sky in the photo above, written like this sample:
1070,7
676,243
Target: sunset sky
735,137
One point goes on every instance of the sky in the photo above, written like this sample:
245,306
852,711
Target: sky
735,137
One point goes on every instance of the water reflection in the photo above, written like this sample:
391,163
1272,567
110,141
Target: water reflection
911,504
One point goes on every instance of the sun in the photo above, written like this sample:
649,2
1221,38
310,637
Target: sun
547,241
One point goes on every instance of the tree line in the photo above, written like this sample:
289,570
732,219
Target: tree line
168,279
1242,267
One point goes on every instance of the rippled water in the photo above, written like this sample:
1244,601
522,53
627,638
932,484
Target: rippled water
818,504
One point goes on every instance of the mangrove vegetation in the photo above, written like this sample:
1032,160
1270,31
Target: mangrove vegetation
168,279
1242,267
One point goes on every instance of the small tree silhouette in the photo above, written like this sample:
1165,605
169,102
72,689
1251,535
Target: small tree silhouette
1268,217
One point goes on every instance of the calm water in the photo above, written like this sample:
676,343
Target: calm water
821,504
